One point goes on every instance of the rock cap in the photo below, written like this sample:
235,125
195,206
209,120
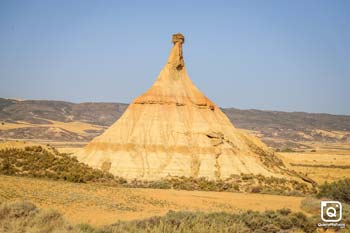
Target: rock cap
178,38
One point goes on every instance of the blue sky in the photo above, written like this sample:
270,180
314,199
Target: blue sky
276,55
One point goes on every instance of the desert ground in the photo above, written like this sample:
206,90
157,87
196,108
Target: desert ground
101,205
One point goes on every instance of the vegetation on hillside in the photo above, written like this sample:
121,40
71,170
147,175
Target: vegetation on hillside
249,221
236,183
26,217
36,161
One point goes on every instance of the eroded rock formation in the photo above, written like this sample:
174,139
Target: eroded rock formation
173,129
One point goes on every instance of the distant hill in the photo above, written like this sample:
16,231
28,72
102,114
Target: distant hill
39,111
35,119
291,129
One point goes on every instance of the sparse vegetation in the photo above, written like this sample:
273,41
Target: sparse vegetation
287,150
268,158
321,165
311,205
26,217
249,221
36,161
236,183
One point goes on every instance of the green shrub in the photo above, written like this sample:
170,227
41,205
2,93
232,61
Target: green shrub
312,206
284,211
6,167
25,217
160,185
36,161
17,209
338,190
247,176
249,221
85,228
287,150
256,189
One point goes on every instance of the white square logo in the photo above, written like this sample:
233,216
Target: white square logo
331,211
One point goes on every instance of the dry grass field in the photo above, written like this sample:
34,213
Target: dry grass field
75,126
327,162
63,147
99,205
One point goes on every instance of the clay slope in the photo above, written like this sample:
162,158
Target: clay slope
173,129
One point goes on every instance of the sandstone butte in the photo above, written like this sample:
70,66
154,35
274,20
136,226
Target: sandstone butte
175,130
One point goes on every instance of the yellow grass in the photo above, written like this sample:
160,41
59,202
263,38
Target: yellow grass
99,205
333,134
7,126
17,144
326,154
75,126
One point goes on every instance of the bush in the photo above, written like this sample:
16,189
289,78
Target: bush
36,161
338,190
249,221
26,217
6,167
287,150
85,228
256,189
284,211
160,185
312,206
16,210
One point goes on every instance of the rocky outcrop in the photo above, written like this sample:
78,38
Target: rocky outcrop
173,129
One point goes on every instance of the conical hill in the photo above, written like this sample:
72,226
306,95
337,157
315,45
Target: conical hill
175,130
